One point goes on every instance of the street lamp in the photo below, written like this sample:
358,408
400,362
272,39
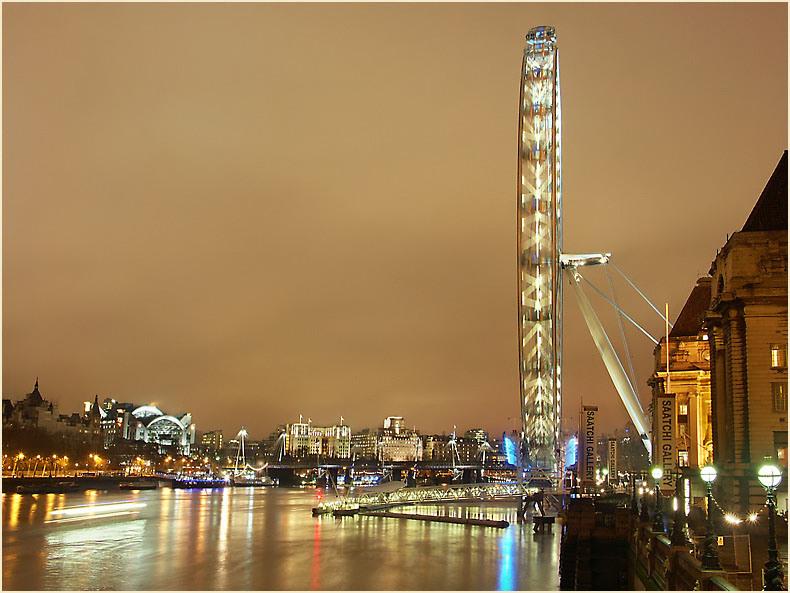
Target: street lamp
770,477
644,516
710,555
658,518
634,507
17,459
679,521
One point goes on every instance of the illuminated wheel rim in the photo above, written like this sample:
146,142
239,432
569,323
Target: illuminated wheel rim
539,247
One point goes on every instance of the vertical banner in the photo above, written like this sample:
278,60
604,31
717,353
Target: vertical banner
612,452
666,453
588,445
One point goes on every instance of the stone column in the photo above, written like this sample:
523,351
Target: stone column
739,395
722,451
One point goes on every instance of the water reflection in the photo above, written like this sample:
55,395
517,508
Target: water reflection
264,539
507,577
80,556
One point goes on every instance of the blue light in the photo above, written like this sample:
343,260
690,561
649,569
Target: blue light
507,561
570,452
510,451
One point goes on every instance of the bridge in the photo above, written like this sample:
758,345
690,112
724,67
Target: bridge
454,493
373,465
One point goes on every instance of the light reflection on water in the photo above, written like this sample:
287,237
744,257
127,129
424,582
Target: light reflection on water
507,577
79,556
265,539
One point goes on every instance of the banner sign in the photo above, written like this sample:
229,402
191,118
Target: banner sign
612,450
665,447
588,445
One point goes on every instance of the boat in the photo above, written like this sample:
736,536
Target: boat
139,485
242,481
187,482
56,488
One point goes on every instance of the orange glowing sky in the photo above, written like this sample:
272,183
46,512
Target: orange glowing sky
256,211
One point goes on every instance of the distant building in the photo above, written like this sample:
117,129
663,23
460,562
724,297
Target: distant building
126,421
33,412
746,323
434,447
394,425
211,442
364,445
151,425
476,434
8,411
306,439
403,446
441,448
117,421
396,443
689,379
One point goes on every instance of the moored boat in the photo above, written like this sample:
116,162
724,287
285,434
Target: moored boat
56,488
186,482
242,481
139,485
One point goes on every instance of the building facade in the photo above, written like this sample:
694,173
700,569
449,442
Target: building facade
364,445
305,439
689,379
151,425
401,447
211,442
746,323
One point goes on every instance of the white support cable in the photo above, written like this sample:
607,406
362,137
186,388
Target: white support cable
639,327
256,469
622,332
612,364
661,315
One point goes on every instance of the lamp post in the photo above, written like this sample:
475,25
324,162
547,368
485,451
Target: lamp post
644,516
634,506
658,518
710,555
17,459
679,520
770,477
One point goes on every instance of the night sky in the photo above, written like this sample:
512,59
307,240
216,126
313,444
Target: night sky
255,211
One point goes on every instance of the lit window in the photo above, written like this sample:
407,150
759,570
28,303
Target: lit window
778,356
683,409
683,458
779,393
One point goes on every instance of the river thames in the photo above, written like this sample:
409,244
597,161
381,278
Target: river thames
260,539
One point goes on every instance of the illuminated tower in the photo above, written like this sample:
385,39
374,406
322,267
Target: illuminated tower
539,247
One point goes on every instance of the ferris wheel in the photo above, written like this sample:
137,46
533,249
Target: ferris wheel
541,263
539,246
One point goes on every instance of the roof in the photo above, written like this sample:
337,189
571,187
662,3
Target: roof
34,397
689,322
770,211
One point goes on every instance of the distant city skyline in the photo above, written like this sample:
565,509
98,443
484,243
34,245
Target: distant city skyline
254,211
